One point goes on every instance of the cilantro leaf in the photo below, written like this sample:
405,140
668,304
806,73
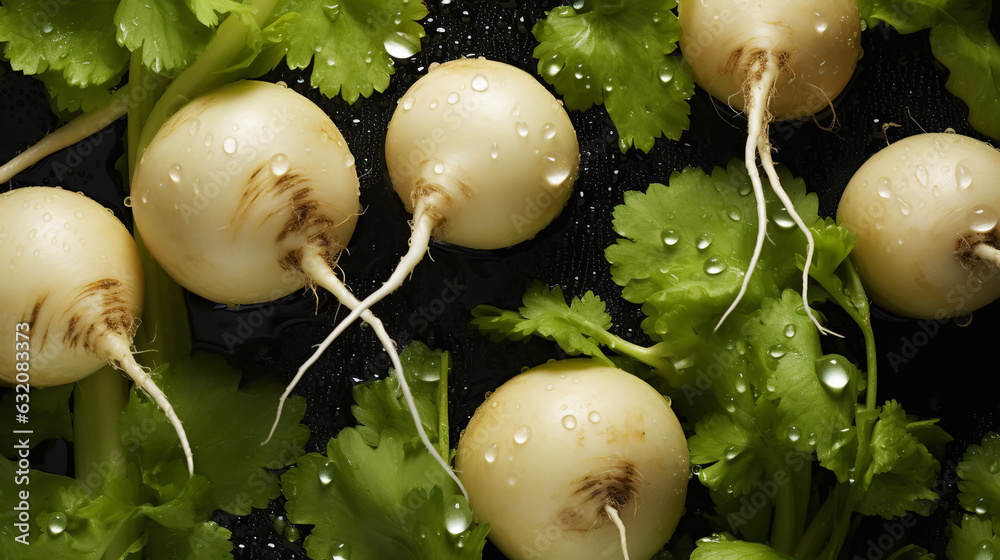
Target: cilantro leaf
380,406
75,39
166,33
902,471
733,458
616,53
351,44
974,535
374,500
979,487
575,327
225,424
685,248
724,547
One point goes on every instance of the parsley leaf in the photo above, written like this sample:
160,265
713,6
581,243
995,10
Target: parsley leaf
685,248
615,52
167,34
974,535
351,44
724,547
979,487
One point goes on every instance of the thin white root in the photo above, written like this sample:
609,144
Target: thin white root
65,136
613,514
768,164
765,72
119,354
321,273
987,253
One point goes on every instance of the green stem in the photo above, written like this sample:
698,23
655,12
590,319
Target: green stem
146,88
783,527
444,447
818,532
98,402
206,72
651,356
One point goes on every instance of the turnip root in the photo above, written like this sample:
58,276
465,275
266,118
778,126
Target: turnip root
572,459
924,213
776,60
72,280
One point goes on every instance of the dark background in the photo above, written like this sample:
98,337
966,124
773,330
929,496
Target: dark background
934,369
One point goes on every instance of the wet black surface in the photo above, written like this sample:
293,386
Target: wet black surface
935,369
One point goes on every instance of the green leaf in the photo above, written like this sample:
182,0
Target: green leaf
380,405
576,327
225,424
166,34
615,52
350,44
377,502
74,39
685,248
973,534
972,56
733,458
724,547
208,11
49,417
979,487
902,472
204,541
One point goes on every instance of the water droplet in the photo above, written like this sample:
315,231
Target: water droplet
494,151
127,202
457,514
594,417
884,187
820,22
400,44
735,214
439,167
453,98
522,434
408,102
714,265
348,160
229,145
57,523
666,74
793,434
46,217
193,127
904,207
790,330
982,220
292,533
480,83
669,237
555,172
521,128
777,351
982,506
782,218
731,452
47,28
548,131
342,552
834,373
491,453
433,104
704,241
325,474
963,176
963,320
569,421
553,67
515,111
985,550
921,173
549,387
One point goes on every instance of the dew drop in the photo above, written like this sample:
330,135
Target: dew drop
793,434
549,387
325,474
480,83
491,453
666,74
229,145
921,174
982,220
522,434
904,207
782,218
884,187
704,241
193,127
735,214
594,417
777,351
208,140
57,523
555,172
963,176
457,514
515,111
790,330
963,320
521,128
453,98
494,151
731,452
669,237
279,164
834,373
342,552
982,506
433,104
569,421
714,265
400,44
408,102
548,131
985,550
821,23
439,167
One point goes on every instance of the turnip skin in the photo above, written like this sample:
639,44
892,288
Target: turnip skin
919,209
492,149
817,44
616,434
64,255
262,176
74,275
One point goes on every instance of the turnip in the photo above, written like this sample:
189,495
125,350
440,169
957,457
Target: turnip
249,193
482,154
72,287
924,214
573,459
776,60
